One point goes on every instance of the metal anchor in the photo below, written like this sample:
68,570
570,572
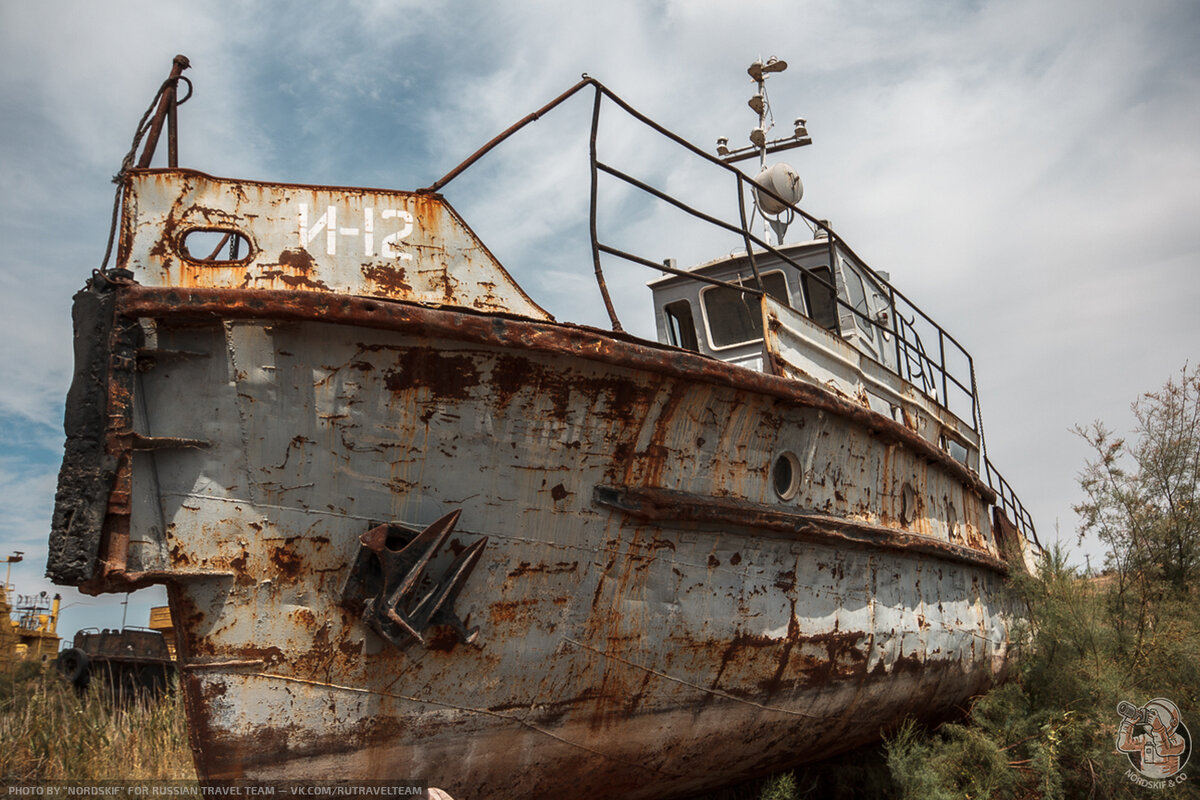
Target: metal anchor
391,587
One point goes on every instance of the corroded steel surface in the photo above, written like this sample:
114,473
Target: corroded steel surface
400,245
670,505
798,348
621,650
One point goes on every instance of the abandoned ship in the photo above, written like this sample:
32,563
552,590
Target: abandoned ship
413,527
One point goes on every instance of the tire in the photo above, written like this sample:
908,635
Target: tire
73,664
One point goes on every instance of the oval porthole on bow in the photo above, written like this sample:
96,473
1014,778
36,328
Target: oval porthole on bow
785,476
218,247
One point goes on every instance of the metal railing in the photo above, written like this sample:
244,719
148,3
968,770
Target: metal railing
1007,500
928,371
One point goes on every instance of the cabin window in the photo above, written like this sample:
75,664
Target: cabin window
956,449
821,307
858,299
735,317
681,328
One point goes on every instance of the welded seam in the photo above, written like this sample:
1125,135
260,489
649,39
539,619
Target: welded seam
243,425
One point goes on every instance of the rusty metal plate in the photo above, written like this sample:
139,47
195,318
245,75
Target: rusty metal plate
185,228
802,350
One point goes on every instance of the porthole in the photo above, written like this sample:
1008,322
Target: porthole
785,476
215,246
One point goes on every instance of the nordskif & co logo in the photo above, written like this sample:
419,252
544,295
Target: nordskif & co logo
1155,740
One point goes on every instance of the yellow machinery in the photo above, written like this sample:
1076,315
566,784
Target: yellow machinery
33,634
161,621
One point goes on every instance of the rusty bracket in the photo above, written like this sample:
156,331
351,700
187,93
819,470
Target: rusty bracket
391,586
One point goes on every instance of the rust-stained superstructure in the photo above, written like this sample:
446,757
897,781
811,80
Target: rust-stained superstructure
413,527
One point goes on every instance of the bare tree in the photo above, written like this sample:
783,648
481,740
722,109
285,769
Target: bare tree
1142,499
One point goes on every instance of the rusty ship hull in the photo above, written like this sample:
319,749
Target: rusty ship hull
638,595
412,527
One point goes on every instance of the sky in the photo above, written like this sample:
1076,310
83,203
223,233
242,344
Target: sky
1027,172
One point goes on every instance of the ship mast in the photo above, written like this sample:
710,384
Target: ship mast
15,558
779,176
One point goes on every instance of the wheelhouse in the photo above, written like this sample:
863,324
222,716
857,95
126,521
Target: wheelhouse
726,322
829,320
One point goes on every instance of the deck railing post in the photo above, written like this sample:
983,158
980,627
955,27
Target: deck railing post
942,357
608,305
746,234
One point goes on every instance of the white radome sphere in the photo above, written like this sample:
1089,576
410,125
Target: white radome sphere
783,181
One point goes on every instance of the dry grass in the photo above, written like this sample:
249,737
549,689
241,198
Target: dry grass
49,733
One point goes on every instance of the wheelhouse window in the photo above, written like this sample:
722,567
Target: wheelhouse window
681,328
822,309
858,298
735,317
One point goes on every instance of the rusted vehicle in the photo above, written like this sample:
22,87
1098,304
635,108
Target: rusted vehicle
129,661
411,526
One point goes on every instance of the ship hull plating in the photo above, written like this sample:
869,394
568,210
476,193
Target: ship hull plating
653,617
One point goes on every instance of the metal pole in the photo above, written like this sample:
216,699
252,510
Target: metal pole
942,358
762,150
895,324
15,558
481,152
173,125
165,104
746,235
